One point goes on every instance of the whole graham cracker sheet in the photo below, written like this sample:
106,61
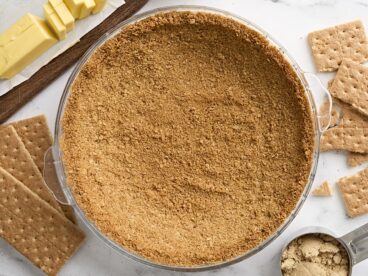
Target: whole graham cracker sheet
34,228
331,45
351,85
15,159
354,191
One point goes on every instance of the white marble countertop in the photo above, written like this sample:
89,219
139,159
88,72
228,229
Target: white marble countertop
289,21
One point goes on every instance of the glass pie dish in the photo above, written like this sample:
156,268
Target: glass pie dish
54,168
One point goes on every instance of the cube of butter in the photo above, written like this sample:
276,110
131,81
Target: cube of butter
74,7
87,7
54,21
64,14
100,4
80,8
22,43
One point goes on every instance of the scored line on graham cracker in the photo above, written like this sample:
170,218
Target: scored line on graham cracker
354,190
331,45
15,159
34,228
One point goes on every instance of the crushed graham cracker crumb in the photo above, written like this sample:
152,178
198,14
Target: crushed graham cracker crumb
187,138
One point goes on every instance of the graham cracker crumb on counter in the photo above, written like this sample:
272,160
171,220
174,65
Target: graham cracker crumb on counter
188,138
323,190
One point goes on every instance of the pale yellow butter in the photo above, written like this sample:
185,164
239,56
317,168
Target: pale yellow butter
22,43
87,7
64,14
100,4
54,21
74,7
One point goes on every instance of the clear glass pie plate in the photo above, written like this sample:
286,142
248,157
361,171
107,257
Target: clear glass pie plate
58,183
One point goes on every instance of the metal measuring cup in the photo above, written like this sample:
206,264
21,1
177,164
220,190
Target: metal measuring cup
354,242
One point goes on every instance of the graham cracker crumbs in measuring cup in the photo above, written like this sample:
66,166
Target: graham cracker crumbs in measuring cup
315,254
188,138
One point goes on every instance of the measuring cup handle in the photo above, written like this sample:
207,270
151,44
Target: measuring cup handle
322,128
357,243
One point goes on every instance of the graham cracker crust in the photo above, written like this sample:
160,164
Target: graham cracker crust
188,138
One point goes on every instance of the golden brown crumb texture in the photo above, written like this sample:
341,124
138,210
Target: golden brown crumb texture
188,138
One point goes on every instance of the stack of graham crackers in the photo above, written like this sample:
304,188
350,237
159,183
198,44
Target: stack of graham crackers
31,219
344,48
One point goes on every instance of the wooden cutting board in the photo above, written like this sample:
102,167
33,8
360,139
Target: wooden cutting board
21,94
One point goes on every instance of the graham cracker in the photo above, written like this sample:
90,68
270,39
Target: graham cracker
350,139
343,115
354,190
331,45
36,137
15,158
323,190
355,159
34,228
351,85
351,118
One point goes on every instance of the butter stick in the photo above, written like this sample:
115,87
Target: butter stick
22,43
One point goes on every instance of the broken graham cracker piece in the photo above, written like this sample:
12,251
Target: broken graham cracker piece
323,190
354,190
351,85
17,161
331,45
355,159
36,137
350,139
34,228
